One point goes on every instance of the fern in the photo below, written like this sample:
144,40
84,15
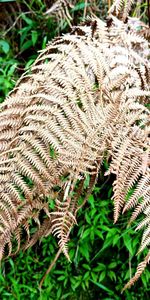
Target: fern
84,97
122,7
60,9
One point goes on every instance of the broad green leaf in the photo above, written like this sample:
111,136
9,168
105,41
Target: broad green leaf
26,45
61,278
84,250
87,267
112,265
4,46
86,233
27,19
100,267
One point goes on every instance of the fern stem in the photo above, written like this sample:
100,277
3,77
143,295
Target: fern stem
109,4
50,267
85,8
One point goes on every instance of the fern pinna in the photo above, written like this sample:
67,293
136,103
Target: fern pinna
85,97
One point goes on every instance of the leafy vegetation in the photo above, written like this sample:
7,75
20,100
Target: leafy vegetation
101,253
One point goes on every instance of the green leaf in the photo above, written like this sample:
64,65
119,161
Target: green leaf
76,284
106,165
87,267
79,6
29,63
112,265
87,181
24,34
4,46
102,276
116,239
44,42
103,203
86,233
100,267
94,276
34,36
87,217
127,275
106,244
92,233
99,234
60,278
65,296
59,272
27,20
86,275
93,212
127,241
103,287
91,201
112,275
110,192
12,264
84,250
52,152
105,228
96,219
12,69
26,45
59,293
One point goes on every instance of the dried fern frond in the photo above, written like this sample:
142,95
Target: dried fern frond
63,10
85,96
122,8
60,9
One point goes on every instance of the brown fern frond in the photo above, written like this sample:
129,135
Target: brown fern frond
85,96
140,269
60,9
122,7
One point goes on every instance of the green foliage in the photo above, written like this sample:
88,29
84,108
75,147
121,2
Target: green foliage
101,255
19,46
8,65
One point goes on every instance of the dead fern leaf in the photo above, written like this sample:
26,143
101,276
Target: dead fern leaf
84,97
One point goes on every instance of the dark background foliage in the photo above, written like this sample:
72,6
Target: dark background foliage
101,252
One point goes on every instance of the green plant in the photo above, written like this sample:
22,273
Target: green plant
8,67
101,260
